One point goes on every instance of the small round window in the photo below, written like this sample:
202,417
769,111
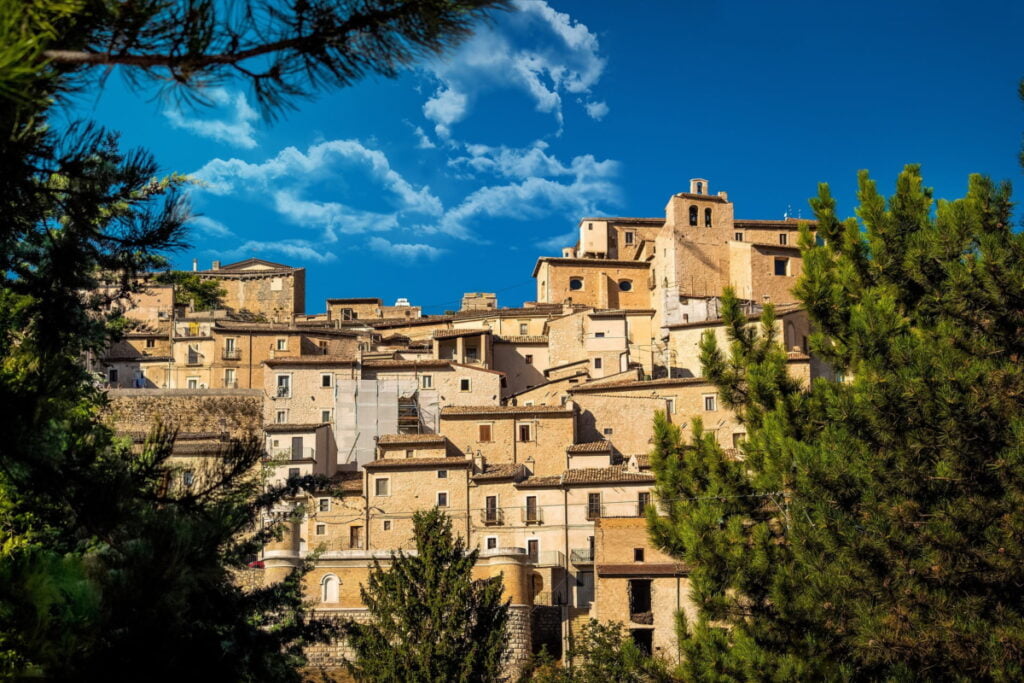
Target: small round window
625,285
576,283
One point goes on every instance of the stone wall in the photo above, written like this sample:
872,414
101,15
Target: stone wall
238,412
546,629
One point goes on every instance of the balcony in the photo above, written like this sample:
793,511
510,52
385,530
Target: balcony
293,453
284,392
581,555
193,361
231,354
533,515
231,384
492,516
549,558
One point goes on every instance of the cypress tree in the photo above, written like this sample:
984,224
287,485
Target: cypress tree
872,525
430,621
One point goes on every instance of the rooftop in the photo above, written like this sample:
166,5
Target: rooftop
502,471
393,439
449,411
591,447
521,339
285,427
604,475
398,463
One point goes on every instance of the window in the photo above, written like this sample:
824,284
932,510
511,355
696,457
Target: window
112,375
348,314
525,432
738,237
321,529
670,405
355,537
524,328
643,499
638,554
491,513
529,359
442,499
284,386
491,543
281,417
783,238
639,599
325,416
575,283
324,505
700,188
442,474
294,473
593,505
325,380
531,512
628,237
282,344
738,438
323,346
607,431
625,285
710,402
426,381
229,377
150,343
533,549
686,317
387,525
781,266
464,385
707,218
597,363
193,355
382,486
484,433
599,335
329,588
191,382
693,215
188,477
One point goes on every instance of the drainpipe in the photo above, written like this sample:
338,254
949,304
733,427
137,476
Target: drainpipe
565,580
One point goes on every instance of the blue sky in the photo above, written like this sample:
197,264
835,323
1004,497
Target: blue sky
459,174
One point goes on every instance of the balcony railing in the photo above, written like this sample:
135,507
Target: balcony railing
304,453
231,384
491,516
532,515
193,361
231,354
595,511
549,558
284,392
582,555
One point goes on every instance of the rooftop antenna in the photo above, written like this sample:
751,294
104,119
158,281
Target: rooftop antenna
789,212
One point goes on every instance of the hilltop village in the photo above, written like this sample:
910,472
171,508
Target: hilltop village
530,426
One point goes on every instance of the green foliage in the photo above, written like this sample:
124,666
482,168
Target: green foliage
191,290
874,528
107,569
601,653
430,621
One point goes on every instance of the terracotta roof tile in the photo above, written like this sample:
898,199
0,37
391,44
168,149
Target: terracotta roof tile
464,332
392,439
503,471
312,361
449,411
592,447
521,339
638,384
409,364
399,463
604,475
540,482
285,427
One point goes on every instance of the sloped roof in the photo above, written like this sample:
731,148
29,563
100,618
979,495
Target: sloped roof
399,463
501,471
591,447
392,439
285,427
463,332
604,475
456,411
521,339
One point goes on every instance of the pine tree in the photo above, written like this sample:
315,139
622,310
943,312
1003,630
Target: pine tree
873,526
431,622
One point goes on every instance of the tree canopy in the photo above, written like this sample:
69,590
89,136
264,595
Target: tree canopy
430,621
872,527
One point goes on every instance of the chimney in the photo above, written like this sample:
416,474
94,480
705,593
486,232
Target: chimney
216,265
195,265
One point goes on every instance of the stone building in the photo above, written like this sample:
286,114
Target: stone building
265,288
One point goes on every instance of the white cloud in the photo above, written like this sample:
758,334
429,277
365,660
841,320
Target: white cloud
422,141
237,130
298,249
210,227
596,110
532,161
287,177
558,241
408,252
537,49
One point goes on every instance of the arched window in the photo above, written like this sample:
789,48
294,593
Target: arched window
707,218
329,588
625,285
693,215
700,188
575,283
790,337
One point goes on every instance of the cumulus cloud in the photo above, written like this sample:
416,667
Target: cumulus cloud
287,177
298,249
236,129
407,252
422,141
537,50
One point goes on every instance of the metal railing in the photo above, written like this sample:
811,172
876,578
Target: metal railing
231,384
582,555
305,453
532,515
231,354
549,558
595,511
284,392
491,516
